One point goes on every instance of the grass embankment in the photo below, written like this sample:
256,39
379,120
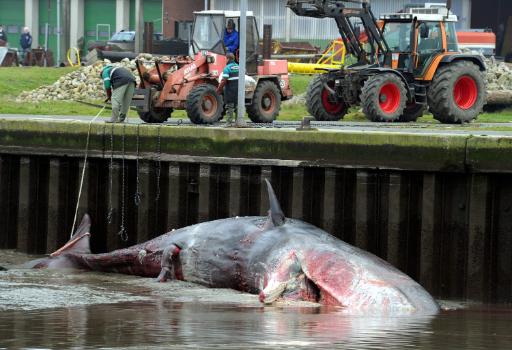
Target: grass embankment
17,79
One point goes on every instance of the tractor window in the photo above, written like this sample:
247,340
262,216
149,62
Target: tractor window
208,32
451,37
429,40
398,36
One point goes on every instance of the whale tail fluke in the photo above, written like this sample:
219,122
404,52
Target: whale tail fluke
275,212
79,243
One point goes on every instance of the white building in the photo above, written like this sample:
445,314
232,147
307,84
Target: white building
288,26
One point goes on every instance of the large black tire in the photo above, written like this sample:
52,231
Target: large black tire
266,103
457,93
321,103
412,113
383,97
156,115
204,105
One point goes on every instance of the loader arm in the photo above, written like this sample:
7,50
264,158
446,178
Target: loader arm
337,10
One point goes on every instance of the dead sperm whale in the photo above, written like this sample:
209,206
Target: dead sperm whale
272,256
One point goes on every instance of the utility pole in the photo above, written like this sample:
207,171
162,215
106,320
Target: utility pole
242,55
58,32
139,25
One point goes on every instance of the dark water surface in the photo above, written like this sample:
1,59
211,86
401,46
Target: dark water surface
74,309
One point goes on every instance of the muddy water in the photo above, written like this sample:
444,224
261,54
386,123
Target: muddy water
74,309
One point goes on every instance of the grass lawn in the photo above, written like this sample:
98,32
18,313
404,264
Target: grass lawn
17,79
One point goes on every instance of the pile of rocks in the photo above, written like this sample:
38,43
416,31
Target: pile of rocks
296,100
83,84
499,75
499,82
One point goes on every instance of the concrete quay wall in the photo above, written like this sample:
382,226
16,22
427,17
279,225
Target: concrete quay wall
437,206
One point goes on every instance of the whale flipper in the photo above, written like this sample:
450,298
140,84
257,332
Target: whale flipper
79,243
275,212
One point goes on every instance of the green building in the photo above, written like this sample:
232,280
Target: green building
81,21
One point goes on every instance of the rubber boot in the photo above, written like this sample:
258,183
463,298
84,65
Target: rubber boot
229,114
111,120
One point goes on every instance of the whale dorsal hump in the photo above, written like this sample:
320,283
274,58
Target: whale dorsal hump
275,212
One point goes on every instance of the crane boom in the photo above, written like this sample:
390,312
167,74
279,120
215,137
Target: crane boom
338,10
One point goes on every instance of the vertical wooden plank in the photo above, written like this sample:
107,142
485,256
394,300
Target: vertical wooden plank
362,215
113,208
501,290
9,187
235,185
24,210
297,193
4,200
477,238
83,203
329,200
173,196
428,210
394,247
454,240
53,239
146,202
204,193
266,173
345,205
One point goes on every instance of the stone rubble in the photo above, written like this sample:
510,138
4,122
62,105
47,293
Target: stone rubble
83,84
499,75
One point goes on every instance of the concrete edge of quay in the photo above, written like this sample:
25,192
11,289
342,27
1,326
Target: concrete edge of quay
428,151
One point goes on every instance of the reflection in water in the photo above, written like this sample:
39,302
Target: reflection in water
72,309
168,323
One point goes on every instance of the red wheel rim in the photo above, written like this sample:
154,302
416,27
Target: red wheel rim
389,98
331,107
465,92
268,102
209,105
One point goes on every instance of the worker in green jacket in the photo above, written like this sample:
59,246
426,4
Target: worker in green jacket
229,85
119,84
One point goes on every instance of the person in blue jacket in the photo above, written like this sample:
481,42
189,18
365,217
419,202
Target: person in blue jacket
3,36
25,43
231,40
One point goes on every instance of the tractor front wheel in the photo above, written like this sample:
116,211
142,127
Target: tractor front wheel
266,103
457,93
383,97
321,102
155,115
204,105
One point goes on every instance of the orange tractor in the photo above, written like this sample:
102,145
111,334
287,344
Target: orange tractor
190,83
410,61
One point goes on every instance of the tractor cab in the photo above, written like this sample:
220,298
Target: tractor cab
209,34
417,35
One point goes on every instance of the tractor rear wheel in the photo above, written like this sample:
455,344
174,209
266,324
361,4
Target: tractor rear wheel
266,103
383,97
412,113
155,115
321,103
457,93
204,105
